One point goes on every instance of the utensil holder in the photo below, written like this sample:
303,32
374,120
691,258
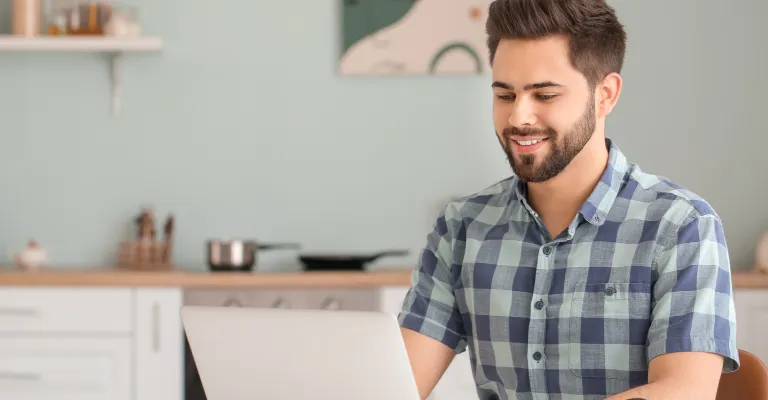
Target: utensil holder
145,255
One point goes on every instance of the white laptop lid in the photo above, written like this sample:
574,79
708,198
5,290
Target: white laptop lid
276,354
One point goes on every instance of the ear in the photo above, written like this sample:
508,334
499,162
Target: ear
607,94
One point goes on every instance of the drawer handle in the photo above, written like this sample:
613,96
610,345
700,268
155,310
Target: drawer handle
19,312
156,327
19,376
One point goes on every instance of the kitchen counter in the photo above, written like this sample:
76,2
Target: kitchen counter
747,279
743,279
189,279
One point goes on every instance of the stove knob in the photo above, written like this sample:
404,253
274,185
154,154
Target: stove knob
331,304
281,303
232,303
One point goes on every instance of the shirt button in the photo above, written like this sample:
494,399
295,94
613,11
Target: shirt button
547,250
539,304
537,356
610,291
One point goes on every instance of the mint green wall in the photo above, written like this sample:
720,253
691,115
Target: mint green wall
242,129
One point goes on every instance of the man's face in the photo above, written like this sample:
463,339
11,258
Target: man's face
543,109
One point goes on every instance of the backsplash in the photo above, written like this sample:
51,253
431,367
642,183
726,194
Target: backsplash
241,128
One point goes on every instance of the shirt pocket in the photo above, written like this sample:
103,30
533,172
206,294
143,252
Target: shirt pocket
608,329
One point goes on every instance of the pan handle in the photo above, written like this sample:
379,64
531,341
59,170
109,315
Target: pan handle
387,253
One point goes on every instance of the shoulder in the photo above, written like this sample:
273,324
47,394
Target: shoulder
670,206
491,202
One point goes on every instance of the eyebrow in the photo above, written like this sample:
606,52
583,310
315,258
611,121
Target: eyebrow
531,86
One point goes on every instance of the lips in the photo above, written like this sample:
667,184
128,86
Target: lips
527,145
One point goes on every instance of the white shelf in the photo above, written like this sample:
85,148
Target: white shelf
80,44
112,46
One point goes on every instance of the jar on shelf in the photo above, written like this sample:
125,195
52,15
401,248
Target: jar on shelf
26,17
123,22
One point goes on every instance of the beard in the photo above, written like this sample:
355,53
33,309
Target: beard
563,148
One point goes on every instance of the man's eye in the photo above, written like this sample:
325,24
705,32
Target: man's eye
505,97
546,96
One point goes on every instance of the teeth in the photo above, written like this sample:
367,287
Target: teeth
528,142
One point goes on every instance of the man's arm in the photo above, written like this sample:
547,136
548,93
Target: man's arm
679,376
429,359
430,320
692,337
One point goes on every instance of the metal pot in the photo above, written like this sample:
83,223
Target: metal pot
238,255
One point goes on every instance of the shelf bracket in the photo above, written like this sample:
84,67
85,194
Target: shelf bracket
116,60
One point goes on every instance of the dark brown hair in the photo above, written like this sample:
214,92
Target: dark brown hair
597,39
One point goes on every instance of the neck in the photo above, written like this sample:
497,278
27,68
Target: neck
565,193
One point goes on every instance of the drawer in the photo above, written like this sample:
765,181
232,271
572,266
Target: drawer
65,309
65,369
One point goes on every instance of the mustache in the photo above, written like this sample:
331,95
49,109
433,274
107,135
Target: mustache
527,131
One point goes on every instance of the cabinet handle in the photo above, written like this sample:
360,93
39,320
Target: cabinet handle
156,327
20,376
19,312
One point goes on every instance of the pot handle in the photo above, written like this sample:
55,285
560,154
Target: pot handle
272,246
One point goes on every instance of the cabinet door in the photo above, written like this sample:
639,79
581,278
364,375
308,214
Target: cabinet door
159,344
752,321
65,368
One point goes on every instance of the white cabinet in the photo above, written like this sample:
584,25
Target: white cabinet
158,344
65,368
91,343
65,343
58,310
457,383
122,343
752,321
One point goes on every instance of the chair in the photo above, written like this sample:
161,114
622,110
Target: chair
749,382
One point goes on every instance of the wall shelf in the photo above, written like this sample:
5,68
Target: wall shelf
115,48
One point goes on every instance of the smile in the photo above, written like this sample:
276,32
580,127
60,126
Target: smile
528,145
529,142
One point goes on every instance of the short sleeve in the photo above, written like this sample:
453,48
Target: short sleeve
692,296
430,305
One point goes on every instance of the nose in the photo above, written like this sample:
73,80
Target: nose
521,113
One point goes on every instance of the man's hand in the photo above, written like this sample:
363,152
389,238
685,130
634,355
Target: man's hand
429,359
679,376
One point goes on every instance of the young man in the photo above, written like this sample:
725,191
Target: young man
581,276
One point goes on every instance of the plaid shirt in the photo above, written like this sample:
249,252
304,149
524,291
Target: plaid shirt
642,270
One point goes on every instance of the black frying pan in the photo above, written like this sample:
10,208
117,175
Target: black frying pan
344,262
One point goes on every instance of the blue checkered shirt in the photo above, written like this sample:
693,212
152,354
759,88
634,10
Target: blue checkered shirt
642,270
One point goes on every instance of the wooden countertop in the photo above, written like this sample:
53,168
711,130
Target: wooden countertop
743,279
747,279
191,279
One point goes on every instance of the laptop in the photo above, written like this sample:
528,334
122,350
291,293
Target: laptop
280,354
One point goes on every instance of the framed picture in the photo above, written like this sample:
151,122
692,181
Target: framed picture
413,37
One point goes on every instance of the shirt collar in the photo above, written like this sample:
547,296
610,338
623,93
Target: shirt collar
600,201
